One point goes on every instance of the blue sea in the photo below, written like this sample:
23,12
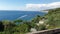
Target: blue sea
24,15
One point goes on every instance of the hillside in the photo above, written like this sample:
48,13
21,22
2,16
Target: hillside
51,21
53,18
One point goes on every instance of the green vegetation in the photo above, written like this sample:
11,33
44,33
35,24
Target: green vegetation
51,21
53,18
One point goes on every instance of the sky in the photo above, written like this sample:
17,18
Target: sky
28,5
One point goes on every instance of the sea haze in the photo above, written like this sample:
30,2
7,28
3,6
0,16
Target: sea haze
25,15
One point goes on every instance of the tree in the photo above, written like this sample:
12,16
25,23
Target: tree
41,27
1,26
36,19
8,26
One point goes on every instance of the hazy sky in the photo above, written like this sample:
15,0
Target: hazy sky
25,5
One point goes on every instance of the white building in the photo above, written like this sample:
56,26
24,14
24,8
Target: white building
40,22
33,30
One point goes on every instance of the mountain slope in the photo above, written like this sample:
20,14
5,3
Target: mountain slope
53,17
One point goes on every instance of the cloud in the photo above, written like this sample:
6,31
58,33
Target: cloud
54,5
31,7
38,7
34,6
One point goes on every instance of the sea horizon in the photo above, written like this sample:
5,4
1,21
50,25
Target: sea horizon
14,14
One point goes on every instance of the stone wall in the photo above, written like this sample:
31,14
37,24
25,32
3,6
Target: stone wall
51,31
